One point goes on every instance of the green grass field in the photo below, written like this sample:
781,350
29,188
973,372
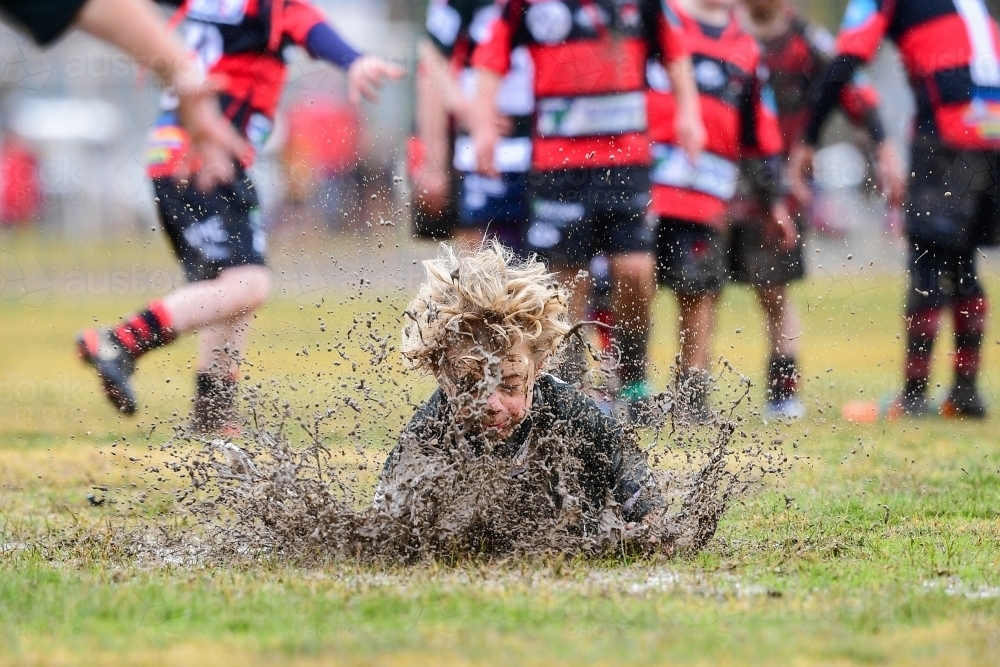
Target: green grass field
881,545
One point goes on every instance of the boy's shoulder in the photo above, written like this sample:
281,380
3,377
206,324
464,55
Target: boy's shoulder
566,402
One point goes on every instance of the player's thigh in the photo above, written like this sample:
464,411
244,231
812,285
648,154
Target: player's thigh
690,258
757,260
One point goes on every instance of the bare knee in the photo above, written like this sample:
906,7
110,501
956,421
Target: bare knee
248,285
635,273
772,298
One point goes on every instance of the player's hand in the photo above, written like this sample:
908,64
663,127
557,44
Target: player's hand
781,227
433,189
890,173
366,75
485,138
690,133
800,164
215,144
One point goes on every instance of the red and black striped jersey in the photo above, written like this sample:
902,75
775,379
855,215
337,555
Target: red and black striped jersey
590,85
950,51
737,108
795,61
240,43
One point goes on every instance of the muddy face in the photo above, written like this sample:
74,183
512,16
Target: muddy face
492,390
501,402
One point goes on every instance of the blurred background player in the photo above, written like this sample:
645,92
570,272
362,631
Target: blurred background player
216,234
689,197
590,162
950,50
135,27
797,55
494,204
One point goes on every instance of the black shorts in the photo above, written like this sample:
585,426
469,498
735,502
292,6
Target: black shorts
690,258
940,275
496,207
952,197
579,213
756,260
212,231
46,20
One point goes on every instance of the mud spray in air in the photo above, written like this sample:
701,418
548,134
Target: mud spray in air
296,486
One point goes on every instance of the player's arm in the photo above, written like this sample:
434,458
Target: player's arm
859,101
306,26
762,151
491,60
135,27
432,126
865,25
688,122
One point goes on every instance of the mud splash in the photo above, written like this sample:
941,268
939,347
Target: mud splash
263,494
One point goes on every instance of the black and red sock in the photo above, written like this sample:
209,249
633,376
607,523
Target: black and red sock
969,314
146,330
782,378
634,347
921,330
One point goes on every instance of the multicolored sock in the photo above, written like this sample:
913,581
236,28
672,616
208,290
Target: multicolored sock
782,377
921,330
146,330
969,314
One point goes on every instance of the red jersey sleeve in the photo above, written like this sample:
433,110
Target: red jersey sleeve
671,34
859,100
865,24
298,17
493,52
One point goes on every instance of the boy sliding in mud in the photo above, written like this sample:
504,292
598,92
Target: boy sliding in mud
485,325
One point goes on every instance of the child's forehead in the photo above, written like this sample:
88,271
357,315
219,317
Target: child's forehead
513,359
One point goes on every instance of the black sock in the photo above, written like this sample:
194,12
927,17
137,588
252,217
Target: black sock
782,378
215,400
633,346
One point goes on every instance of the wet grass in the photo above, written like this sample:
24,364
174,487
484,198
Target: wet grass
880,546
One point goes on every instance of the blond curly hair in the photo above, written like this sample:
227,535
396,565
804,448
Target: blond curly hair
483,296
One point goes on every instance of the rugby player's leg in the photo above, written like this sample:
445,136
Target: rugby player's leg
630,244
784,327
691,262
969,308
633,287
757,261
924,305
